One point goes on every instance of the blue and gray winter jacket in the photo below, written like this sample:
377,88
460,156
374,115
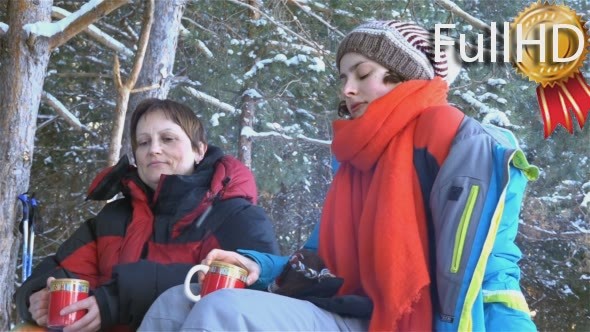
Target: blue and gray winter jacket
473,202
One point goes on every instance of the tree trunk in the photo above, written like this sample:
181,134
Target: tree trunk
158,62
24,58
24,63
248,101
246,120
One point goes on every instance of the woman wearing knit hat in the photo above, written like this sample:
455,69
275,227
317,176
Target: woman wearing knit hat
419,222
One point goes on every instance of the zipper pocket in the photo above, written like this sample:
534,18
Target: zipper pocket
462,229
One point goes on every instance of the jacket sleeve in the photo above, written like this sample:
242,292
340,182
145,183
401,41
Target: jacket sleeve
271,266
75,258
504,304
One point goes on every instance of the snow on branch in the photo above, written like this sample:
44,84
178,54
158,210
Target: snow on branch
97,34
309,12
251,133
455,9
201,46
62,110
280,25
579,229
318,64
490,114
210,100
314,140
297,47
3,29
184,31
63,30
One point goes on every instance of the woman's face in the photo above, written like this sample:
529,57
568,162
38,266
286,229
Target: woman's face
163,148
362,82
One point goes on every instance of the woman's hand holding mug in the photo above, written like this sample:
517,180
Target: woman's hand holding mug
232,257
221,269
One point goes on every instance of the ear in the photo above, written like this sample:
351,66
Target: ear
200,152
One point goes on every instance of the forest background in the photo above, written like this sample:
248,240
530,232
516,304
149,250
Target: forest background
261,75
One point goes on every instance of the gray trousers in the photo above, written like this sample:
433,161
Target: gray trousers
242,310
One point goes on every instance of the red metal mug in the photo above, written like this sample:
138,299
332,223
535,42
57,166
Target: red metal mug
219,275
62,293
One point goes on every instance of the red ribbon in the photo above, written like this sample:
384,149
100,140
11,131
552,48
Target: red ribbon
555,103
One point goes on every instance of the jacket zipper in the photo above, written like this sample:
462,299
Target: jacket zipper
214,200
462,229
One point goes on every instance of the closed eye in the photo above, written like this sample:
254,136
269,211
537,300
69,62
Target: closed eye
168,139
363,75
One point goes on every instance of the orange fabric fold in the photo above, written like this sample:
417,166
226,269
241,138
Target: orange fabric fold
373,229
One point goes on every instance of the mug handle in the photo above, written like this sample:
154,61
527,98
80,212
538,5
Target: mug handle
187,281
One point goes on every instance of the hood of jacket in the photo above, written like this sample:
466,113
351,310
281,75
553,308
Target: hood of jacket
225,177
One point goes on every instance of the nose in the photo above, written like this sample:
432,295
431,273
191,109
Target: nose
349,88
155,147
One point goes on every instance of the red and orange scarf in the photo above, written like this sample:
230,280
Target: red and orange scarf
373,229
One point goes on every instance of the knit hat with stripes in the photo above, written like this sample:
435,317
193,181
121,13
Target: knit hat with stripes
403,47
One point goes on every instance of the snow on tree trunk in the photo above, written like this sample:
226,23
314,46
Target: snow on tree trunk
154,78
24,63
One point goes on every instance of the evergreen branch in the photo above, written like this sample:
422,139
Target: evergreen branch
298,47
280,25
317,17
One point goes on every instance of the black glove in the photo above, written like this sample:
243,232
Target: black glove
306,277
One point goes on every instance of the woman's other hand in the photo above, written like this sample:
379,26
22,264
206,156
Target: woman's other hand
39,304
234,258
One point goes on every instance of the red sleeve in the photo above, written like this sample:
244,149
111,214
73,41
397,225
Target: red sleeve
78,254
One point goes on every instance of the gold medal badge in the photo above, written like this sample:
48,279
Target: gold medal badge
556,66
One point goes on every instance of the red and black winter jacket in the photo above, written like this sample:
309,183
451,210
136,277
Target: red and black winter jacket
140,245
